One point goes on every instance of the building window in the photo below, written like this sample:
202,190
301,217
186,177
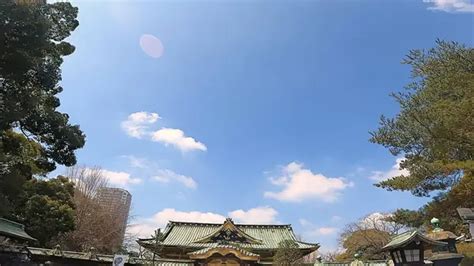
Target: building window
397,256
412,255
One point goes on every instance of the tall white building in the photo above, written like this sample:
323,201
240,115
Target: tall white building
117,201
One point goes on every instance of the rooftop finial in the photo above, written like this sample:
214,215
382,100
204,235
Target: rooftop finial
57,250
435,223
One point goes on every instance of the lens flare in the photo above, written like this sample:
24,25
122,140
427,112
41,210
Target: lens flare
151,45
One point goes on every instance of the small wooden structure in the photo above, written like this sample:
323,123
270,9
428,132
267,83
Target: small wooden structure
467,215
14,250
446,255
16,255
413,248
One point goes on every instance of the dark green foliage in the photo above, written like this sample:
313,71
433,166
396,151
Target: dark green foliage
442,207
434,129
30,66
34,136
23,159
409,218
46,208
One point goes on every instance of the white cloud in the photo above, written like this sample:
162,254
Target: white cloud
375,220
166,176
377,216
259,215
301,184
325,231
313,231
137,124
142,229
451,5
153,170
392,172
305,222
331,248
120,178
145,227
336,218
379,221
176,137
136,161
167,215
321,231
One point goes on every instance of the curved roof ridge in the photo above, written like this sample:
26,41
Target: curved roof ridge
236,224
16,224
406,237
307,243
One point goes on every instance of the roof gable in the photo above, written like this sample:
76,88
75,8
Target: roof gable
228,232
404,239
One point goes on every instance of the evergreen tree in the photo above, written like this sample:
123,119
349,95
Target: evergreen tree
34,136
46,208
434,130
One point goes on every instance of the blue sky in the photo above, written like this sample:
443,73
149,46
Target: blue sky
257,110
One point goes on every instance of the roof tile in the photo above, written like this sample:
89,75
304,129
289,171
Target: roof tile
13,229
187,234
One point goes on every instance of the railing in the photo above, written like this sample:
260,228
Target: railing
356,263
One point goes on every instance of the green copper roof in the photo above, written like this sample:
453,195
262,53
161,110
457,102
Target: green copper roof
174,263
14,230
189,234
409,236
60,255
87,258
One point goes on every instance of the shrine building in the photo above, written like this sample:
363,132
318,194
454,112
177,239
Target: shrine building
222,244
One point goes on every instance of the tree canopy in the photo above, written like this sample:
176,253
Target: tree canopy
367,236
95,225
434,130
288,253
46,208
34,136
365,242
442,207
